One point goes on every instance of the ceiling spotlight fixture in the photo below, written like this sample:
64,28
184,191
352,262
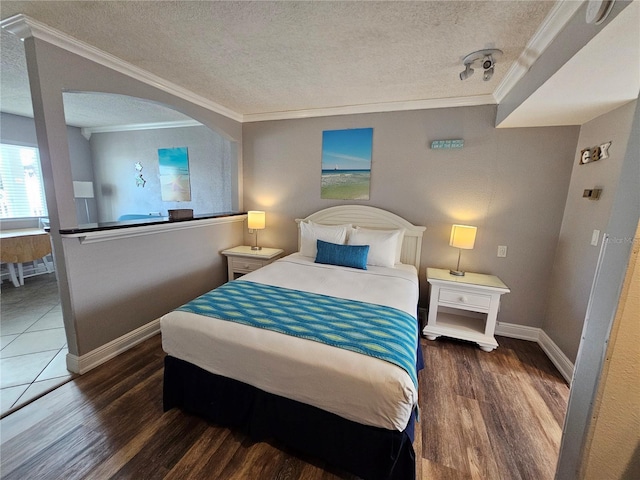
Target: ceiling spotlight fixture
485,59
488,73
468,71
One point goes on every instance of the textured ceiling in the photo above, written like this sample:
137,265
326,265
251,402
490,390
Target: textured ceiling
262,57
81,109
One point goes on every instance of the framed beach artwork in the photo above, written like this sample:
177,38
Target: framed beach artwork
174,174
346,164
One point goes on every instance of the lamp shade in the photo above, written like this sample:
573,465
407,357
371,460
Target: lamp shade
463,236
256,220
83,189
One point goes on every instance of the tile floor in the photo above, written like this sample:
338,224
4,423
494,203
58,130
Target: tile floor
33,346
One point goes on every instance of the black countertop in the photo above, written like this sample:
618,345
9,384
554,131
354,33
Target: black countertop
99,227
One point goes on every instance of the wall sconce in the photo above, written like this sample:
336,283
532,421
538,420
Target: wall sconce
83,190
256,221
486,59
463,237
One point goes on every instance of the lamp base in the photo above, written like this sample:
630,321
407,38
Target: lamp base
260,248
457,273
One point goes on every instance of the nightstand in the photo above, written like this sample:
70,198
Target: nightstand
464,307
242,259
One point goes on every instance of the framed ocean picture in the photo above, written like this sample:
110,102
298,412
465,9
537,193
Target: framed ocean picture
173,164
346,164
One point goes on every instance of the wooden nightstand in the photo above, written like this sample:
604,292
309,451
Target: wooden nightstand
464,307
242,259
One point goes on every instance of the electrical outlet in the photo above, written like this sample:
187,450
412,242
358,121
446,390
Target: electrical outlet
502,251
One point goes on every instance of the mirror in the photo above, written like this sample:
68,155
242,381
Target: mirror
133,160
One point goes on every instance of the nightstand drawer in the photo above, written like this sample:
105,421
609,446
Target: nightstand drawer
244,259
464,298
245,265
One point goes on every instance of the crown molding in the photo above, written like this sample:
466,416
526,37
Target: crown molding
555,21
88,131
372,108
17,25
26,27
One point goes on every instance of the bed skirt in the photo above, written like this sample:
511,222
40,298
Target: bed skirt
371,453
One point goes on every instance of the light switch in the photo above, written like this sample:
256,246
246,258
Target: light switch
502,251
595,237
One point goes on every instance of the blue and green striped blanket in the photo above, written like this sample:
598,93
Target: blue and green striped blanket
374,330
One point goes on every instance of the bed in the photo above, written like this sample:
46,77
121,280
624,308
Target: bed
313,390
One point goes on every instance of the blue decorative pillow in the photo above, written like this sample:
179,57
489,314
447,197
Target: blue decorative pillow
354,256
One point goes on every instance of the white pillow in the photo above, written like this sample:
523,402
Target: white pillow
385,246
311,232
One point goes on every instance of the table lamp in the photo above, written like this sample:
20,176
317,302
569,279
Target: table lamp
256,221
462,237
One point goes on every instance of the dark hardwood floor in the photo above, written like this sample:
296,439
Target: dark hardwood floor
495,415
484,415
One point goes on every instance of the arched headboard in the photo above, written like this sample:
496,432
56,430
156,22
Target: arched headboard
372,217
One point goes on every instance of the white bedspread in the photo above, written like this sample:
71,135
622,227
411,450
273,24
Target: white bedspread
357,387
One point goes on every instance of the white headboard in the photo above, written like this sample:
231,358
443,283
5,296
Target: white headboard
371,217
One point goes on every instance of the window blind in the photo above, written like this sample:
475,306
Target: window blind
21,184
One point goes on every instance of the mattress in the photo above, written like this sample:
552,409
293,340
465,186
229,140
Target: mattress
363,389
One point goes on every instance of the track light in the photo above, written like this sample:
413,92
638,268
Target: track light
485,59
488,62
468,71
488,73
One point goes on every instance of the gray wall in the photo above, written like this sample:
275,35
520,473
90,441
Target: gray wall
576,258
114,155
120,285
19,130
114,287
511,183
621,225
81,170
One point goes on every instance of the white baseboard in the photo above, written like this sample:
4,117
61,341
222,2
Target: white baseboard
559,359
83,363
521,332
